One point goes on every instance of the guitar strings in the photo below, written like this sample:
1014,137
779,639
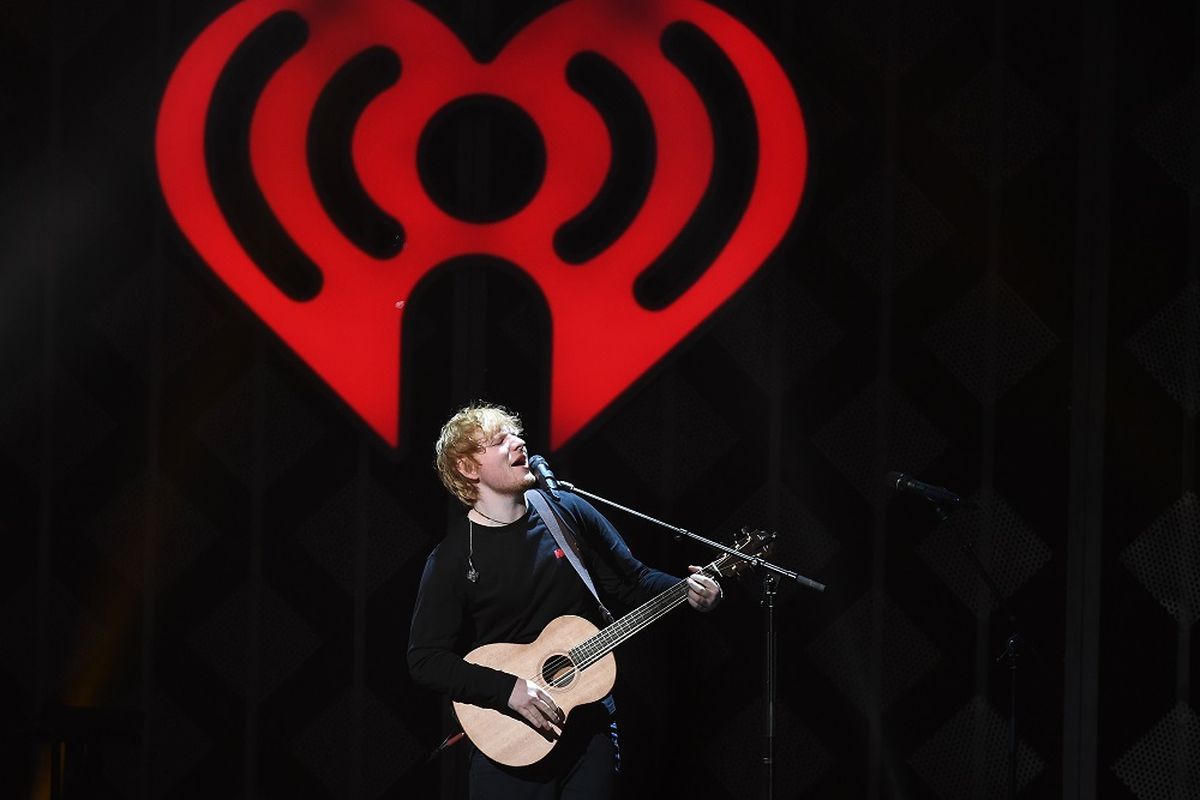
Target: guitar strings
595,648
592,650
608,639
598,646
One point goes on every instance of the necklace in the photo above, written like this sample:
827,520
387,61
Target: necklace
472,573
493,519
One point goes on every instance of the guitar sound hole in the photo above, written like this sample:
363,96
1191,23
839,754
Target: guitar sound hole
558,672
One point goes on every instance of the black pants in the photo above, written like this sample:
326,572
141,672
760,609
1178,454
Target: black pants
583,765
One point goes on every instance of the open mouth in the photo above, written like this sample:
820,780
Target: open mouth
519,462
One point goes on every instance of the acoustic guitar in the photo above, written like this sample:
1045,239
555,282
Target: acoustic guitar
573,661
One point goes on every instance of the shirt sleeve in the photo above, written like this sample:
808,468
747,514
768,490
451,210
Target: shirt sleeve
437,624
615,570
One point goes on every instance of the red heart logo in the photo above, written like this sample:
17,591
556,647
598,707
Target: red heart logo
349,330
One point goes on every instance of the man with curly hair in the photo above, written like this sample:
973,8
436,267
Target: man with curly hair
500,576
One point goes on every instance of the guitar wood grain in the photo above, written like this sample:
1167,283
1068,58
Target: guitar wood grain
506,737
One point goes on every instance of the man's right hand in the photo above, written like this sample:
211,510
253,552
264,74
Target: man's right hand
538,708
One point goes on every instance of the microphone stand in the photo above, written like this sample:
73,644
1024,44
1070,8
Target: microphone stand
770,683
770,581
1012,647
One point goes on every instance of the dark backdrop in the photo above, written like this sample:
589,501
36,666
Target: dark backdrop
992,285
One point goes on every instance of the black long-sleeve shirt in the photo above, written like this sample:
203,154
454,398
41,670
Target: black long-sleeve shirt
524,582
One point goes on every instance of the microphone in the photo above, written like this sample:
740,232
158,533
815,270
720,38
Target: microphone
902,483
545,478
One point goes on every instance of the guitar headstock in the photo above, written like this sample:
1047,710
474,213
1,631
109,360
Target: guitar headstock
755,544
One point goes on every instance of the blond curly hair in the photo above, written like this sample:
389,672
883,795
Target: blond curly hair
463,436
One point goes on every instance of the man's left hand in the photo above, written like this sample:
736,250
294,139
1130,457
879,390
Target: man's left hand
703,592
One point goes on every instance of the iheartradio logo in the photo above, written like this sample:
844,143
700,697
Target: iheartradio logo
303,179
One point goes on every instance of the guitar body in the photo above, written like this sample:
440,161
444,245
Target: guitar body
506,737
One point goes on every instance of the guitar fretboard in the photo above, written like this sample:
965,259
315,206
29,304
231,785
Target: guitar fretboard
592,650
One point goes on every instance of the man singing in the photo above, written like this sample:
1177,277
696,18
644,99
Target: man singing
500,576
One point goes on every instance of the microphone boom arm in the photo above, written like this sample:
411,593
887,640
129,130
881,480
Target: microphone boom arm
753,560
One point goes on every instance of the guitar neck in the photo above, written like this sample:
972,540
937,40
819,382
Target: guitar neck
592,650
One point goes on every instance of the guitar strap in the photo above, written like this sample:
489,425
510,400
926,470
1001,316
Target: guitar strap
568,542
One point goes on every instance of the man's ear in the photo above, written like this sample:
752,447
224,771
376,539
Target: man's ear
468,468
